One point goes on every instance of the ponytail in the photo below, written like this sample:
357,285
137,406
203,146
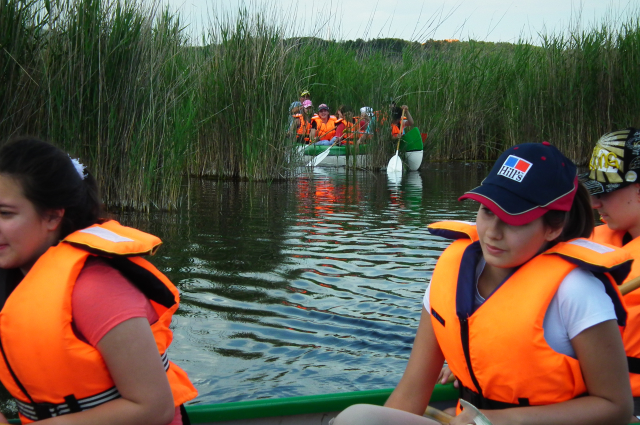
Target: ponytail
577,222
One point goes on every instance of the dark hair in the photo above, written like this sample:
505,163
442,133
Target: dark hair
344,109
50,181
396,113
577,222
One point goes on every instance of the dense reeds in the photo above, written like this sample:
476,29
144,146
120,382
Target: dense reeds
120,84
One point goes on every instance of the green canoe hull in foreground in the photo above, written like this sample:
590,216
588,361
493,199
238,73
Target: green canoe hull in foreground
305,410
308,410
411,149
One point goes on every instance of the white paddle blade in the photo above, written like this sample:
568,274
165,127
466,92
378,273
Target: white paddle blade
395,164
319,158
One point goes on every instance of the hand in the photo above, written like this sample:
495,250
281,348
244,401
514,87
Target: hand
464,418
447,376
405,108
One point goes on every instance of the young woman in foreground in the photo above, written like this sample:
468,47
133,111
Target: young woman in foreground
613,183
526,314
84,327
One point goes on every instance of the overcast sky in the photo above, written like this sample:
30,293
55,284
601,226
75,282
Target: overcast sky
488,20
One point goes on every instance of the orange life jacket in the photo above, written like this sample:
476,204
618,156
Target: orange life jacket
325,131
499,353
631,334
395,130
350,131
44,365
304,127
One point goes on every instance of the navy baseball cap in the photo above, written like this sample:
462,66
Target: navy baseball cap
527,181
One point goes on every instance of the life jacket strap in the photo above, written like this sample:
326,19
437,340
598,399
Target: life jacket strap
482,402
634,364
40,411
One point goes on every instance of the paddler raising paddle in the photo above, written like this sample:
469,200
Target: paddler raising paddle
524,308
396,117
612,181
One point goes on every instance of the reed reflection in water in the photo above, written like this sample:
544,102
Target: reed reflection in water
308,286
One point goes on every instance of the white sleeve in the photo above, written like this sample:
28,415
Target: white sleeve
583,302
580,303
425,300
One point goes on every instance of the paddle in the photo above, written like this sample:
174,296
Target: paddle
321,156
632,285
437,415
395,164
445,418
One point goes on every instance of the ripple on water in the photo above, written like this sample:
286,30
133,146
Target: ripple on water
304,287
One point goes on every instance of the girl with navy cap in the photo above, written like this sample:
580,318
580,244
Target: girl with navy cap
525,310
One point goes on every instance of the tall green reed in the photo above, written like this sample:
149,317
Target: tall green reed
120,84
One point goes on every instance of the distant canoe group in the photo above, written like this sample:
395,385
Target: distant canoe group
325,129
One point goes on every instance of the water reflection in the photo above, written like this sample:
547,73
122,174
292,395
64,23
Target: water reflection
304,287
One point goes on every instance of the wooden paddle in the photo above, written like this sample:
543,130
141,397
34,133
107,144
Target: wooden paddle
437,415
395,164
632,285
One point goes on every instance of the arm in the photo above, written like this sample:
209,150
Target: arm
130,353
295,108
407,116
295,124
313,132
425,362
604,367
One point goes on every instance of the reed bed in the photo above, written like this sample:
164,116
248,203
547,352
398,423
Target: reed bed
122,86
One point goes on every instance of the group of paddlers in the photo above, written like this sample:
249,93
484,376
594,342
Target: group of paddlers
323,128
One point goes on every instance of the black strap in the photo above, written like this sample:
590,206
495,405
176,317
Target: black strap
73,404
185,416
634,364
482,402
13,374
143,279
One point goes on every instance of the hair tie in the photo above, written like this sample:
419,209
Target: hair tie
79,167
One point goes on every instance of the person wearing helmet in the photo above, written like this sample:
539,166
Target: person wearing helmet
612,181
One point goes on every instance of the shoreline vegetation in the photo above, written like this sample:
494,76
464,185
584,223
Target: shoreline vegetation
121,85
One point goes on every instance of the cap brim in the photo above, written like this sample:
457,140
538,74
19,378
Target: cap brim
594,187
491,198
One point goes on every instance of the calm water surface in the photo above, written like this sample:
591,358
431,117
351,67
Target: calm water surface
304,287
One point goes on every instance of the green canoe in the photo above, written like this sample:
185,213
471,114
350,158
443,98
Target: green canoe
316,409
305,410
411,148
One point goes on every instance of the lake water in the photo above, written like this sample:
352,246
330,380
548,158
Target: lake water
308,286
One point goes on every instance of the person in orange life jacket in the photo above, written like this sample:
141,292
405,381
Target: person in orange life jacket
323,127
346,128
524,309
396,116
301,124
367,124
73,289
296,106
612,181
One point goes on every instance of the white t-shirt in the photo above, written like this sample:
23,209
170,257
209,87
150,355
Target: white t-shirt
580,303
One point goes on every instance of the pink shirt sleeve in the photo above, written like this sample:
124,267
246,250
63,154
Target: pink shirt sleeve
102,299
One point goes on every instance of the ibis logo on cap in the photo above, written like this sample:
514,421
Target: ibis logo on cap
515,168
